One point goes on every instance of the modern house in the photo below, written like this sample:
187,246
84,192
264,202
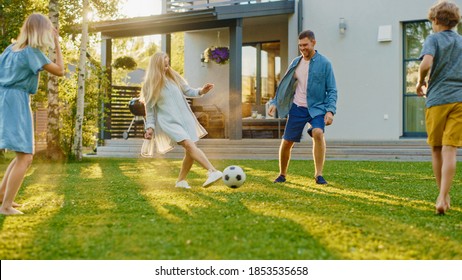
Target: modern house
374,46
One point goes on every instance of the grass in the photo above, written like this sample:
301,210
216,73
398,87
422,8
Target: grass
129,209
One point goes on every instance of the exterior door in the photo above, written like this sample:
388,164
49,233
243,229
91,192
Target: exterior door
261,71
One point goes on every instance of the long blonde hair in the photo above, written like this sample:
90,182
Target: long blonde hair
155,78
36,32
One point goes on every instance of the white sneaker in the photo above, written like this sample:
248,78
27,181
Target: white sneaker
213,177
182,184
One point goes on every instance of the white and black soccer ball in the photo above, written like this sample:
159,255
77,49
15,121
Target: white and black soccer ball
233,176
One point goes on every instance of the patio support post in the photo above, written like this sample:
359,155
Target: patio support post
300,16
106,61
166,44
235,81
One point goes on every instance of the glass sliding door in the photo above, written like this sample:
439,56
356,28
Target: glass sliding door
261,71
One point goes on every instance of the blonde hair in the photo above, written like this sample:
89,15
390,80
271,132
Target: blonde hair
155,78
36,32
445,13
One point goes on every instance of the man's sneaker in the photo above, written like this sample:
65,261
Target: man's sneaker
280,179
320,180
182,184
213,177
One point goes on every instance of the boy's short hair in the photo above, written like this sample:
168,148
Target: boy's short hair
445,13
306,34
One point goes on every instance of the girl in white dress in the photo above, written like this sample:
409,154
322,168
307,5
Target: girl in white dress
170,119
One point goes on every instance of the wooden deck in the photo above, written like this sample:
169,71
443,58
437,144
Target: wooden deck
267,149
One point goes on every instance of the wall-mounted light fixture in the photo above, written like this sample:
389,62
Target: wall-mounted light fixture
342,26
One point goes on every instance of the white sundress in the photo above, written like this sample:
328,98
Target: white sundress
172,118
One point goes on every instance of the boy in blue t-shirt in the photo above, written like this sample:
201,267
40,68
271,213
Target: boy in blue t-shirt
442,57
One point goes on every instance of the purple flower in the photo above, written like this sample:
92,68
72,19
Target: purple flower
219,55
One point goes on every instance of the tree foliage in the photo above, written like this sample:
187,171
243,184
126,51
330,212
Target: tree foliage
12,15
71,12
137,48
177,55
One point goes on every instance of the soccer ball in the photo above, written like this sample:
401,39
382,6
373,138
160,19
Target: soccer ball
233,176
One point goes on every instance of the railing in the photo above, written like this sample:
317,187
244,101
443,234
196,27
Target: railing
174,6
120,115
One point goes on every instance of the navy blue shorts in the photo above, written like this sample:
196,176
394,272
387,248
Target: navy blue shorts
296,121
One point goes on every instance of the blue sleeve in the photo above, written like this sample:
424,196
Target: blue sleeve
429,47
36,60
331,90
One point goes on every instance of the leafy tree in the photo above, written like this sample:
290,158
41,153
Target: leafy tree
177,55
139,49
77,146
54,150
12,15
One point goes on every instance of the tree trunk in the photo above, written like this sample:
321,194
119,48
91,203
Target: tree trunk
77,147
54,151
2,155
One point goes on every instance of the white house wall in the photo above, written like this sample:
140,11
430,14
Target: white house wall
194,45
196,42
368,72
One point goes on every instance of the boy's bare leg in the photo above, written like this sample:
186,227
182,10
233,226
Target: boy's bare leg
448,170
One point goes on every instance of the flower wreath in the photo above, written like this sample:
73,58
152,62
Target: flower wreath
219,55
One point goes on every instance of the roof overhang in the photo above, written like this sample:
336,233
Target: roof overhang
217,17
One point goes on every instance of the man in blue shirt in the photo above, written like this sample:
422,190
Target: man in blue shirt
307,94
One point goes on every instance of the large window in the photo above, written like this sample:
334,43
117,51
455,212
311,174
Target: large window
261,71
414,106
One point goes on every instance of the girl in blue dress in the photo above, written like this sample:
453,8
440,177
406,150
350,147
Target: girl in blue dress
20,65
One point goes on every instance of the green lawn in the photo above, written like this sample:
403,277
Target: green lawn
129,209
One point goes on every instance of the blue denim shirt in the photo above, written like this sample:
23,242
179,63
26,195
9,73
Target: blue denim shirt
321,90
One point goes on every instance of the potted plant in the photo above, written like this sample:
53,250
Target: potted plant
219,55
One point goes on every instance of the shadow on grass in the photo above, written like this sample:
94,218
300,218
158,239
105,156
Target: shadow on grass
110,210
129,209
373,222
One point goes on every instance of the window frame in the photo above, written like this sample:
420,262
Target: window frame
406,95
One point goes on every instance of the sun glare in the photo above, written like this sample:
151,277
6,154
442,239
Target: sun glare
140,8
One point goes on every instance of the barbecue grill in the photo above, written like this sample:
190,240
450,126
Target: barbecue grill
137,109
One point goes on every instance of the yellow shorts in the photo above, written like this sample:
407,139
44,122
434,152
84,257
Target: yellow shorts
444,125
